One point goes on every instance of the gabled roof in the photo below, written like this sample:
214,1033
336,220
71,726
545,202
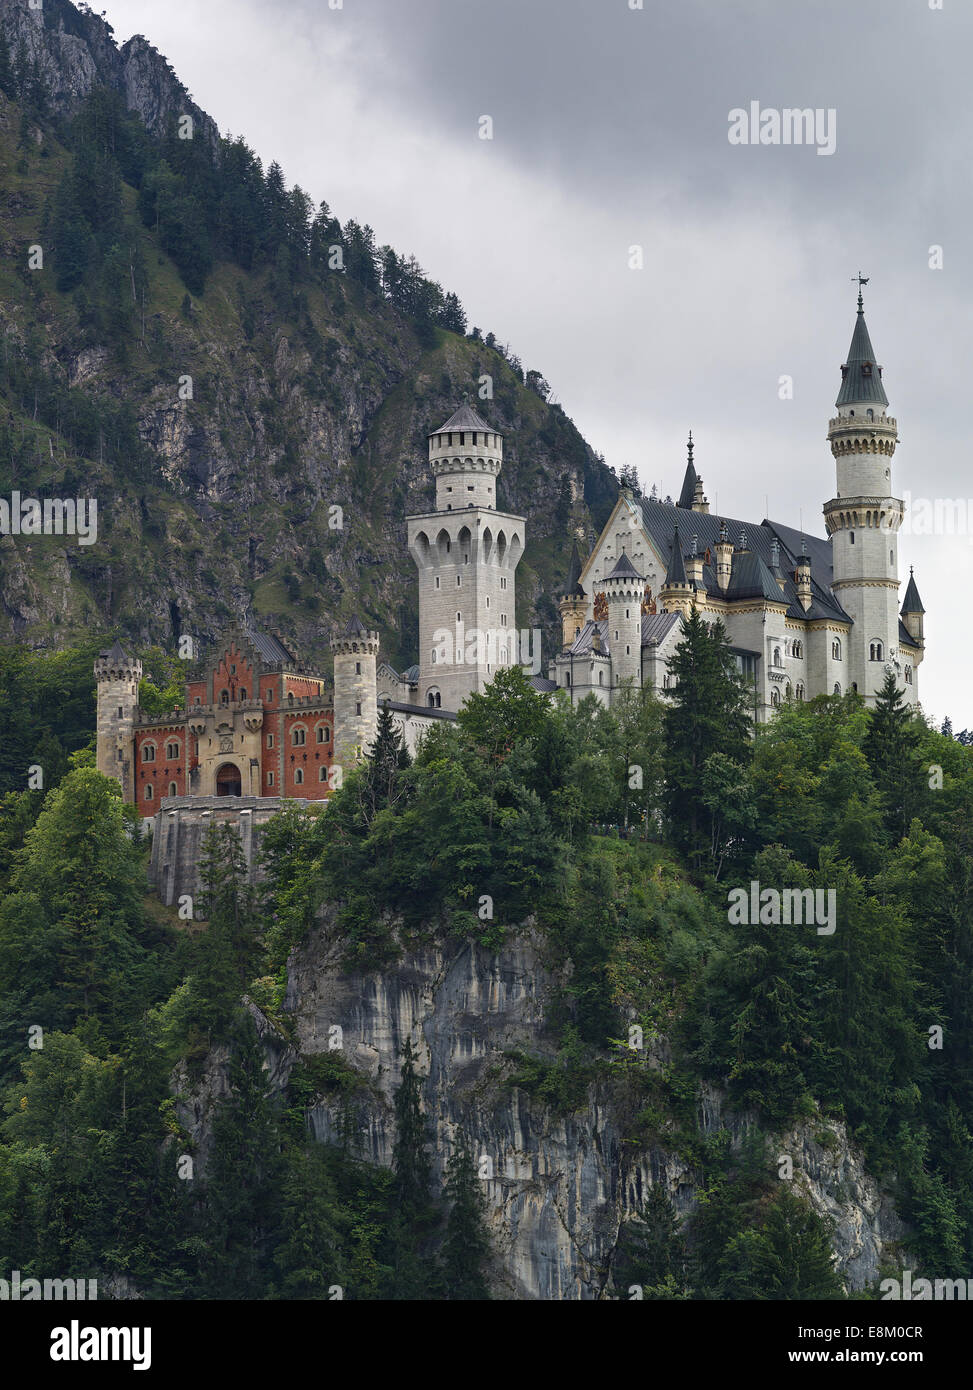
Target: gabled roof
912,603
269,648
662,519
582,643
861,375
751,578
656,626
465,418
624,569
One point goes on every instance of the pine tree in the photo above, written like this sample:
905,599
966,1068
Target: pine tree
385,760
8,84
226,950
412,1210
890,746
707,714
466,1249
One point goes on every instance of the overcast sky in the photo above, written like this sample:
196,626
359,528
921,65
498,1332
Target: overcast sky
611,131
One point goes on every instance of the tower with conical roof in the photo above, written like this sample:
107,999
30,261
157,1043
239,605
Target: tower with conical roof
676,594
573,606
864,516
467,553
624,589
117,675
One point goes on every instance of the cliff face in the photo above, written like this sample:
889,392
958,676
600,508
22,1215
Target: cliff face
299,402
561,1186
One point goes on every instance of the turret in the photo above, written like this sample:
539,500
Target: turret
691,498
912,611
694,568
624,589
802,578
573,607
676,594
355,692
465,455
724,557
117,675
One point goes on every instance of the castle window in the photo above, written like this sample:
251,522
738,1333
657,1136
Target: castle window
503,620
837,688
243,692
891,558
358,707
197,700
870,414
357,668
908,675
270,779
121,712
601,678
322,733
488,601
851,537
800,690
503,582
437,581
459,617
149,793
172,789
148,752
232,670
270,740
777,660
775,698
224,697
322,773
459,581
567,678
298,775
299,737
798,649
836,654
172,750
876,651
628,651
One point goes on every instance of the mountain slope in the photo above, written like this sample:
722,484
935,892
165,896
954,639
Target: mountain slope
220,397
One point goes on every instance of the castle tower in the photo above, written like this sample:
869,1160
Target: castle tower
355,692
676,594
573,607
118,676
691,498
624,589
466,553
864,517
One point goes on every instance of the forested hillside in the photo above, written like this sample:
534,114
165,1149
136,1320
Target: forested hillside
613,840
222,364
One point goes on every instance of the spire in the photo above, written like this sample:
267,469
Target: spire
676,573
912,603
861,377
574,572
624,569
690,480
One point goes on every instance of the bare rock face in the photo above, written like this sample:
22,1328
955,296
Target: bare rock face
558,1187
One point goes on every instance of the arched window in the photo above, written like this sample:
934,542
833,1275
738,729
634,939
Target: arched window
777,660
324,733
876,651
837,688
322,773
431,700
149,793
836,652
224,697
787,691
908,675
775,698
148,752
800,690
798,649
870,414
243,692
172,751
299,737
601,677
298,776
173,790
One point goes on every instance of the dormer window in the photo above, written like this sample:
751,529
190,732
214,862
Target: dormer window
866,369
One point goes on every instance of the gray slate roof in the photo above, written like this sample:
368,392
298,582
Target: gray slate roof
856,384
906,639
688,488
912,603
662,519
465,418
624,569
270,648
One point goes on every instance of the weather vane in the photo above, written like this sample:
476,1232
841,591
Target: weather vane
862,280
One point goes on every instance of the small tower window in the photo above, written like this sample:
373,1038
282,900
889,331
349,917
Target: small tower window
908,675
357,668
149,793
121,712
851,537
172,789
299,775
358,707
270,740
837,688
270,779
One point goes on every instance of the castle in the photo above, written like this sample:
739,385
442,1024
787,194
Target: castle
806,615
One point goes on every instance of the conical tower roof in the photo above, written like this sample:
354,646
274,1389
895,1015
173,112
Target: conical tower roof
465,418
912,603
624,569
861,377
574,588
676,573
689,482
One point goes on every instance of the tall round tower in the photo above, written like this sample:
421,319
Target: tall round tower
117,675
864,517
624,589
355,692
467,554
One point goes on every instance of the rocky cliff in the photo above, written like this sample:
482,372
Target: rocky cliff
561,1185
